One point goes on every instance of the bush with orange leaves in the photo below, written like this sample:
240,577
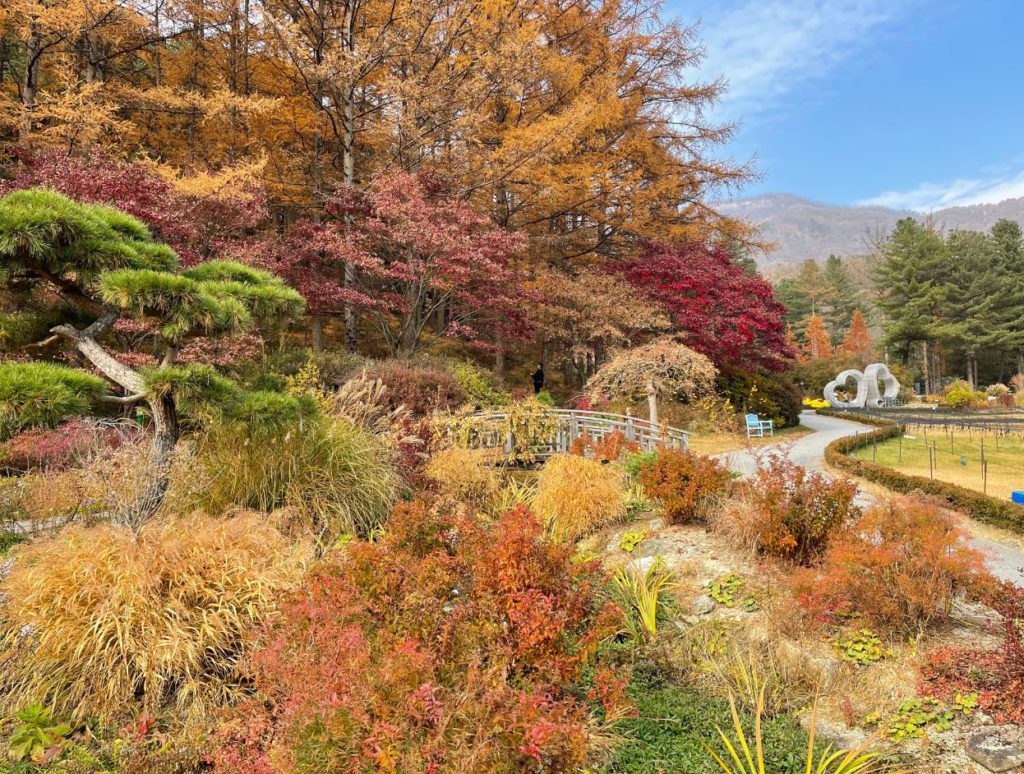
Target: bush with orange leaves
606,449
685,482
453,644
788,512
899,566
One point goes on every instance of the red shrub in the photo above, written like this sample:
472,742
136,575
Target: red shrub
421,389
606,449
900,565
796,512
997,676
450,644
684,482
63,447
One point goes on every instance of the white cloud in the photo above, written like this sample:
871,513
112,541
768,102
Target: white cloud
957,193
766,48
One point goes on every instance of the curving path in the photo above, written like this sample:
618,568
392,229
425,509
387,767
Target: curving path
1005,551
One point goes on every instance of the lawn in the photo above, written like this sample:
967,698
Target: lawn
956,458
720,443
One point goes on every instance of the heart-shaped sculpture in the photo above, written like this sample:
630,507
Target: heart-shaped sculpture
868,394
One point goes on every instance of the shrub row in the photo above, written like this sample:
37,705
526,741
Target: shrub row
977,505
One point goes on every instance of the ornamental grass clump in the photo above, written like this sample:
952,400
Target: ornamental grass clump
466,475
576,496
103,623
333,476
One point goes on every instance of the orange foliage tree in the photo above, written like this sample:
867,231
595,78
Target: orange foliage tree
858,340
819,346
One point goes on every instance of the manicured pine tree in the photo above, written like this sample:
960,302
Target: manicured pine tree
106,264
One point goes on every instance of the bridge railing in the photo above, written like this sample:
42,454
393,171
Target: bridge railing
571,424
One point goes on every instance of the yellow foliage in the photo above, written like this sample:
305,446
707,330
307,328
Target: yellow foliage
100,623
576,496
465,475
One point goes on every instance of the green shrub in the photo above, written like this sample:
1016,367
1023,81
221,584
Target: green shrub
770,396
479,386
333,476
959,395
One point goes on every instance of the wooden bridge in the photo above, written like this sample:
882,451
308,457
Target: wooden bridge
570,424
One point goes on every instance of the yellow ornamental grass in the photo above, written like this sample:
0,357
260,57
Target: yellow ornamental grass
99,623
465,475
576,496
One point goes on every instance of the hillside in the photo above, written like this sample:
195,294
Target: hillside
802,228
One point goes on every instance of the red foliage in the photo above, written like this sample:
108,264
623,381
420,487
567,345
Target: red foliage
422,389
684,481
606,449
997,676
197,228
796,512
61,447
727,314
448,645
424,253
900,566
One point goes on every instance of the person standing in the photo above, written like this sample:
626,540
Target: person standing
538,379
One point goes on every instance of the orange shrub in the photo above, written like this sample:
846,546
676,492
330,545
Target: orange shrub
453,644
900,566
606,449
685,482
790,512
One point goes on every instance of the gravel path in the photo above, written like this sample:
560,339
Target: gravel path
1005,550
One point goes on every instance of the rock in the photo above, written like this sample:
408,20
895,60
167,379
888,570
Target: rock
998,748
795,660
837,733
702,605
974,614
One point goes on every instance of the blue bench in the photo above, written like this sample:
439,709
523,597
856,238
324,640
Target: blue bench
756,426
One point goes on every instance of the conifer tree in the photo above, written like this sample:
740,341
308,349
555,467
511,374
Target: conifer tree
105,263
819,346
858,339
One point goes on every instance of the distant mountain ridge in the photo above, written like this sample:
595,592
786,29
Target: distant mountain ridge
802,228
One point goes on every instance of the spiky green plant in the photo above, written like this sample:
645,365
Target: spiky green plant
744,760
643,594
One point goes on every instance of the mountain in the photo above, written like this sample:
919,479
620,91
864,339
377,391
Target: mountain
802,228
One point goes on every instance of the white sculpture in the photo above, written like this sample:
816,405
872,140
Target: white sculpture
867,395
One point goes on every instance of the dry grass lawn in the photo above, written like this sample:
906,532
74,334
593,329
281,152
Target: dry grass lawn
957,459
720,443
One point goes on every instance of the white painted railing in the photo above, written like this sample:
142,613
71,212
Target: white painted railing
572,424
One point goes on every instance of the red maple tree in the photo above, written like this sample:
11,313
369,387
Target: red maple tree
724,312
427,260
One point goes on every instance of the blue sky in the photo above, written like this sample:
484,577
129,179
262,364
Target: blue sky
908,103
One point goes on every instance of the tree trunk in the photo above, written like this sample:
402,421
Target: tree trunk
165,440
318,333
348,166
652,403
927,368
165,416
31,83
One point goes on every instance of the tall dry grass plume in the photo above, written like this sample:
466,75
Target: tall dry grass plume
466,475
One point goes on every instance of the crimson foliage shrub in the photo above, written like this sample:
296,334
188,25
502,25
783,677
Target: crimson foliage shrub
452,644
423,389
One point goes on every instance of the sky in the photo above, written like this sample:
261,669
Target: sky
914,104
